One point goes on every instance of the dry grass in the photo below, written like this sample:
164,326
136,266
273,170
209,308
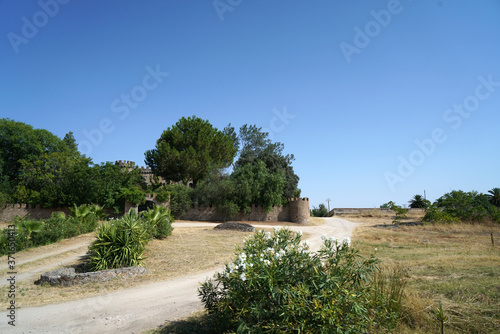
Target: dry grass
189,250
454,264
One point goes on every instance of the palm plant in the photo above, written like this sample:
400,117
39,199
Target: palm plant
160,221
119,244
418,202
494,196
28,227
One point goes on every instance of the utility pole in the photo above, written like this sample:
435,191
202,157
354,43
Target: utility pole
328,200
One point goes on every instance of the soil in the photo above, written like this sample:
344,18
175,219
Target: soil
135,309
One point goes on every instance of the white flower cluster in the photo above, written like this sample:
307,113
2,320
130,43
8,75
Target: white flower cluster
273,253
346,241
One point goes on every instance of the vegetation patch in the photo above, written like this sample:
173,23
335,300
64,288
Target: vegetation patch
276,285
453,268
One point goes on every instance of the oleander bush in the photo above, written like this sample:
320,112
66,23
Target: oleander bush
276,285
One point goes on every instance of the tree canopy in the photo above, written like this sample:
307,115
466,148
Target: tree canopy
37,167
191,149
256,146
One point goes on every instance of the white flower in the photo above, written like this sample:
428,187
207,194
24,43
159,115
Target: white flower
267,235
347,241
299,233
324,237
243,277
376,249
242,257
267,262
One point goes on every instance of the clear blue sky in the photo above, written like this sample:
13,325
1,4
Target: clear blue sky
377,100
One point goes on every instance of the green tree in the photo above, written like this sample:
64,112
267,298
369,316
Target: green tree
256,146
320,211
21,142
418,202
494,196
466,206
180,198
256,184
190,150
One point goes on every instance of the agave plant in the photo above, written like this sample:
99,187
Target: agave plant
119,244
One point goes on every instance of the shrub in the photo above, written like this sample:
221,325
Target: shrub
320,211
275,285
119,244
180,199
159,220
435,215
33,233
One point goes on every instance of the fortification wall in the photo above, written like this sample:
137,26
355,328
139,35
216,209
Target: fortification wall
257,213
297,211
367,211
10,211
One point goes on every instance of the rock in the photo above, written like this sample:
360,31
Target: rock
235,226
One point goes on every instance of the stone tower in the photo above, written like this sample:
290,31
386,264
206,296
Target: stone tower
299,210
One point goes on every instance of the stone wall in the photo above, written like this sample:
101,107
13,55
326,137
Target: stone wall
10,211
367,211
297,211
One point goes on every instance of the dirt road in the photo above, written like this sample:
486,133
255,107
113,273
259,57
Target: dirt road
141,308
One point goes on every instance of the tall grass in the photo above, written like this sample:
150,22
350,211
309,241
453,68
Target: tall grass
455,265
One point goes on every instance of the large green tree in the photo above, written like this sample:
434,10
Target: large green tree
21,142
191,149
256,146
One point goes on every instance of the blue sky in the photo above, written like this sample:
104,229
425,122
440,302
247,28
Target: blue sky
377,100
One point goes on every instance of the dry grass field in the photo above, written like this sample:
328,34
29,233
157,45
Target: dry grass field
187,251
456,265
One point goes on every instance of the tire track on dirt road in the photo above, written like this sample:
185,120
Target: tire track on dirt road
145,307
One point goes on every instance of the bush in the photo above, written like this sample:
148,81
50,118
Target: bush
275,285
159,220
180,199
435,215
320,211
33,233
119,244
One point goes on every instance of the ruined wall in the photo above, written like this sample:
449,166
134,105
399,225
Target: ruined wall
9,211
257,213
297,211
368,211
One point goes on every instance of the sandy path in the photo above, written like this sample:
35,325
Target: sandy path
140,308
